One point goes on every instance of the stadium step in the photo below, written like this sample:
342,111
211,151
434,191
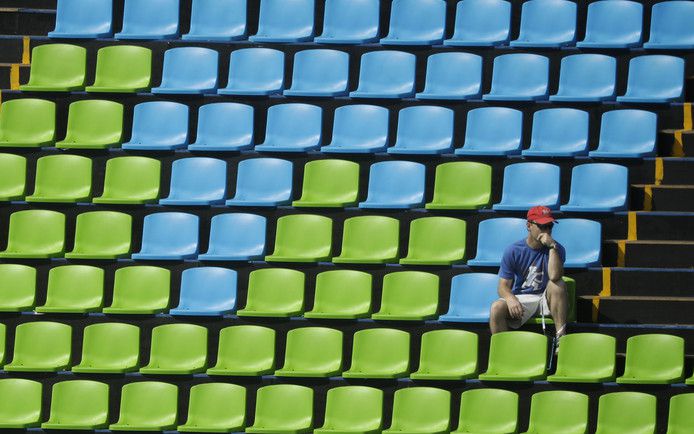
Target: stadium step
14,74
648,253
671,226
652,197
24,21
648,282
633,310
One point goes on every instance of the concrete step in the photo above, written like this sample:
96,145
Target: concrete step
648,253
653,197
646,282
637,310
24,21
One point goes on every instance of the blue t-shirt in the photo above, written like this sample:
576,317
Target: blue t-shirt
527,267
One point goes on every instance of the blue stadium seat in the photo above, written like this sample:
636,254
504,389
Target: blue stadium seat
529,184
453,76
169,236
359,129
598,187
582,240
320,73
149,19
519,77
396,185
217,20
492,131
206,291
285,21
587,78
189,70
224,126
386,74
292,127
559,132
84,19
655,79
424,130
159,126
236,237
421,22
255,71
547,24
613,24
671,26
255,188
627,134
472,294
190,187
493,236
350,22
481,23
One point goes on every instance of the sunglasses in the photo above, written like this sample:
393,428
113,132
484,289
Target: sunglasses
543,227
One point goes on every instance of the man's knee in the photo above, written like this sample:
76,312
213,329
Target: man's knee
556,288
499,310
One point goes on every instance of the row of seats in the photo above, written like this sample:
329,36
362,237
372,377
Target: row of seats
382,74
174,236
357,129
281,408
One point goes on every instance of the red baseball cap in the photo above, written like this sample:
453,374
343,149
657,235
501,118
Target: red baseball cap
540,215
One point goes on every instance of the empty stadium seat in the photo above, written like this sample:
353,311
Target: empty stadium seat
369,240
529,184
637,141
424,130
102,235
447,355
78,405
35,234
481,23
169,236
189,188
130,181
386,74
74,289
206,291
358,129
20,403
302,238
670,29
472,294
421,409
352,408
29,123
587,78
255,71
654,78
454,76
654,359
159,126
613,24
516,356
216,407
283,408
312,352
253,188
62,178
462,185
141,289
147,406
680,416
93,124
18,288
626,412
109,348
547,24
586,358
224,126
558,132
274,292
177,349
341,294
436,241
188,70
350,22
41,346
83,19
236,237
329,184
285,21
582,240
56,68
13,182
292,127
488,410
395,185
408,296
218,20
492,131
245,350
519,77
380,353
598,187
320,73
416,23
122,69
149,19
558,411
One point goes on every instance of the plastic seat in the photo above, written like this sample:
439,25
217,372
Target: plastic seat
654,359
386,74
395,185
102,235
424,130
369,240
27,123
586,358
130,181
78,405
516,356
83,19
35,234
253,188
447,355
287,21
122,69
598,187
189,188
637,141
302,238
358,129
169,236
492,131
109,348
292,127
320,73
62,178
56,68
582,240
93,124
189,70
670,29
408,296
236,237
559,132
147,405
41,346
342,294
350,22
654,78
149,19
558,411
587,78
283,408
224,126
519,77
488,410
681,418
416,23
159,126
245,350
74,289
419,410
613,24
456,76
529,184
17,288
353,409
141,289
626,412
380,353
547,24
216,407
436,241
481,23
329,184
177,349
219,21
274,292
471,296
20,403
206,291
462,185
255,71
312,352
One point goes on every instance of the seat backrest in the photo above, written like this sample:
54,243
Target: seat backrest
58,66
178,346
208,289
321,70
191,68
343,291
585,75
558,411
371,236
614,22
218,18
286,18
160,123
656,76
132,178
548,21
275,289
639,137
393,183
217,405
425,128
79,403
28,121
125,67
225,124
354,408
360,126
437,240
294,125
494,235
247,346
454,74
351,20
36,231
490,410
75,288
150,18
313,349
83,18
582,240
284,407
421,409
599,184
627,412
252,184
560,129
380,351
422,20
655,356
531,184
483,21
463,184
149,403
141,287
494,128
256,69
42,344
387,71
18,287
444,351
62,177
472,294
238,235
170,233
681,417
100,233
517,353
410,294
94,122
520,74
330,182
587,354
187,184
20,402
304,235
110,346
670,23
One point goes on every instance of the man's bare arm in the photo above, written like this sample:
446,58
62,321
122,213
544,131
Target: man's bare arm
515,309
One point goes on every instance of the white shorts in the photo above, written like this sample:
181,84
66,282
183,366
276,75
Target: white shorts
533,304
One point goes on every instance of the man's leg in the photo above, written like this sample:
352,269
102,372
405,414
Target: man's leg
558,305
498,317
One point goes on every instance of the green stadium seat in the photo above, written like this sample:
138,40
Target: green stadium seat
341,294
93,124
436,241
140,290
216,407
27,123
122,69
13,181
78,405
516,356
409,296
35,234
488,411
462,185
558,411
102,235
147,406
353,409
131,181
20,403
109,348
74,289
586,358
56,68
447,355
245,350
17,288
302,238
421,410
654,359
63,179
274,292
177,349
329,184
626,413
380,353
312,352
681,414
283,408
369,240
41,347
